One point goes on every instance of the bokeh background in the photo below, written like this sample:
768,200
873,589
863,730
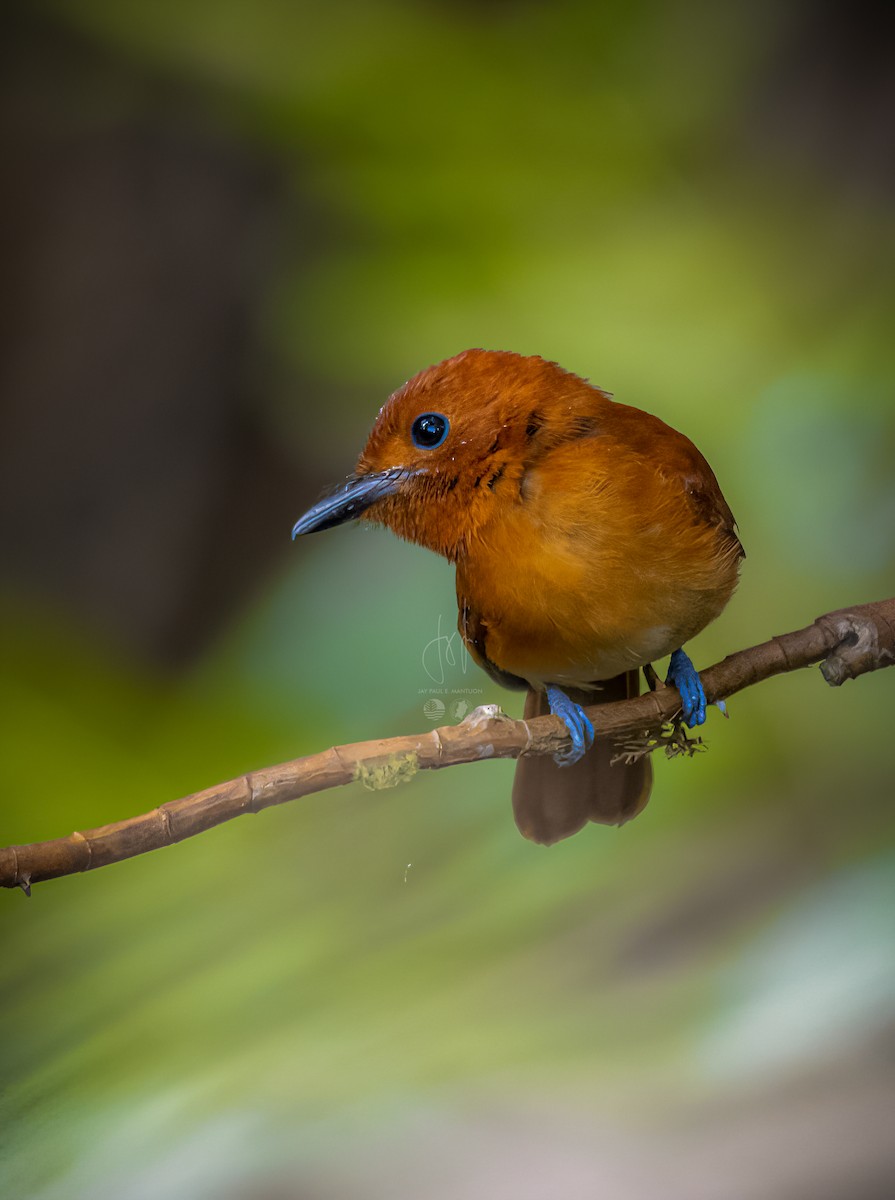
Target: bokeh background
229,231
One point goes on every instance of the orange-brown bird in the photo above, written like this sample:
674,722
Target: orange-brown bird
590,539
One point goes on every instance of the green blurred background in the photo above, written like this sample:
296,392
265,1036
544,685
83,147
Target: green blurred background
229,231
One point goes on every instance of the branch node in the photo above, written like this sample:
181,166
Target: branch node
77,836
780,645
439,744
252,803
481,716
162,811
857,650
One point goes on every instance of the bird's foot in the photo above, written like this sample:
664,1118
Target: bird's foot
576,721
684,676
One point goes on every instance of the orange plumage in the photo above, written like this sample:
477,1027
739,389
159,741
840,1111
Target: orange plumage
590,539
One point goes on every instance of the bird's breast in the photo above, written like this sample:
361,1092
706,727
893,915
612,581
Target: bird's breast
546,616
586,576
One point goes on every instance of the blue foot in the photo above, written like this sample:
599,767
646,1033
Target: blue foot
578,724
682,675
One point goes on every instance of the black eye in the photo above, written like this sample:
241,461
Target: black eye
429,430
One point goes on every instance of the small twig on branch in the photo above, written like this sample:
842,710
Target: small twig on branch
846,643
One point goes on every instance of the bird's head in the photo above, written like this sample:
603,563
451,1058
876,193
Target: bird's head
454,443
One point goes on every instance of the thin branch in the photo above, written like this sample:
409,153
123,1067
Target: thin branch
847,643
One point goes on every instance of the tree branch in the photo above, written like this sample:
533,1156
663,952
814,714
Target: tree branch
847,643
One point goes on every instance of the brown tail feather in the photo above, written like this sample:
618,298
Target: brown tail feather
551,803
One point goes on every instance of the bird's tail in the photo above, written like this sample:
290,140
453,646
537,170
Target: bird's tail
551,802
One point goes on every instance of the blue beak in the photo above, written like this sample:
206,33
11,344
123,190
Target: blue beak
351,499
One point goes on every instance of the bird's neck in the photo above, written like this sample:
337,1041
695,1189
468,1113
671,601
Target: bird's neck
453,508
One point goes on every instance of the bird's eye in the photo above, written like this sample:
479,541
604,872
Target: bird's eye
429,430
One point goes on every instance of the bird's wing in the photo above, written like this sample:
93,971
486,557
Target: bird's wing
474,632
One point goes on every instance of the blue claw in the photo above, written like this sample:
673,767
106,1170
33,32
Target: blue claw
576,721
683,675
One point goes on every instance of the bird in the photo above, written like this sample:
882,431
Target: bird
590,539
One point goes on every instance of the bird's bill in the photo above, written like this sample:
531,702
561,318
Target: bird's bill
350,501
